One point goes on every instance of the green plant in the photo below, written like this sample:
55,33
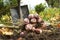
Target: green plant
13,3
49,13
53,3
5,6
39,8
